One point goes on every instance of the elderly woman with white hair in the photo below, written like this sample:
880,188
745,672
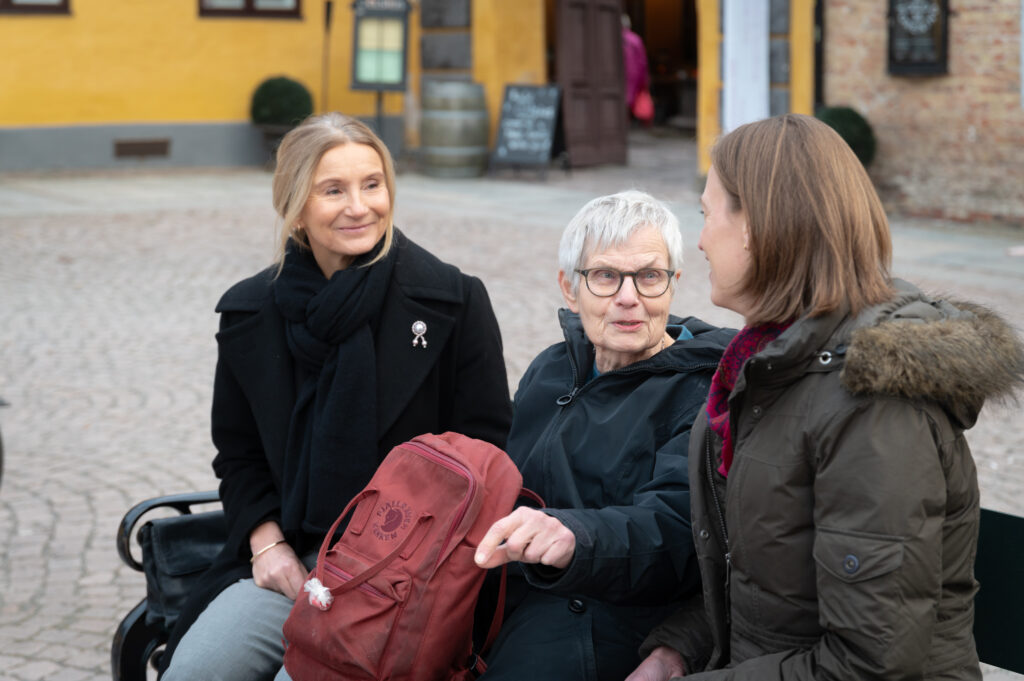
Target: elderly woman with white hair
600,430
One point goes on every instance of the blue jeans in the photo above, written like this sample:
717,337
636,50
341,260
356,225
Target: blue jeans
236,638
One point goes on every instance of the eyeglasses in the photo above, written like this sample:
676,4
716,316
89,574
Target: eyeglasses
649,282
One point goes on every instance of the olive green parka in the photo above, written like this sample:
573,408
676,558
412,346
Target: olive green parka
842,544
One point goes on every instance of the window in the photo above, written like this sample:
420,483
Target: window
35,6
249,8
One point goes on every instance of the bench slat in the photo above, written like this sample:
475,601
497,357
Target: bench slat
999,605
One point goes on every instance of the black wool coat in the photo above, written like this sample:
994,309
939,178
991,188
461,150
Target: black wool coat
456,382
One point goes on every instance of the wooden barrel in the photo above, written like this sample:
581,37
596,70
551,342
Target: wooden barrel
453,129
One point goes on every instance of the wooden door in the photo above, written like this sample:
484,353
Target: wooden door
589,69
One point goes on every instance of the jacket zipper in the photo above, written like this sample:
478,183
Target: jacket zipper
721,521
456,466
566,400
344,576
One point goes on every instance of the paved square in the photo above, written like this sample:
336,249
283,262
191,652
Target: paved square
107,287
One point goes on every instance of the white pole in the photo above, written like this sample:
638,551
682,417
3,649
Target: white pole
745,28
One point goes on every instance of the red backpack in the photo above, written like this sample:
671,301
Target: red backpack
394,597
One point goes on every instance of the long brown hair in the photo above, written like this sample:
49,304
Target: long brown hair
297,158
818,235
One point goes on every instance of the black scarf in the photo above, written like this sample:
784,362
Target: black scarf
332,438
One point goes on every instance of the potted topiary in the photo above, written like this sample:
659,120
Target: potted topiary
853,128
278,105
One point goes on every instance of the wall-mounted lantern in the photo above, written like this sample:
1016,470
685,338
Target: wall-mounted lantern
380,44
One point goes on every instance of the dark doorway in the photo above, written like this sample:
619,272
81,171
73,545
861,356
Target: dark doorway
669,31
584,48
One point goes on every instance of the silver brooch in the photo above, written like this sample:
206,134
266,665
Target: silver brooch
419,328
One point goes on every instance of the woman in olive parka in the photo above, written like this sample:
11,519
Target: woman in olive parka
834,499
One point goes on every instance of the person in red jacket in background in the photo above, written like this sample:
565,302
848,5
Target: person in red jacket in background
634,54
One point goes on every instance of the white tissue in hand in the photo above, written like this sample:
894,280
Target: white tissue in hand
319,595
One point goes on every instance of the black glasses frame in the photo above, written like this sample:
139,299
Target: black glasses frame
622,278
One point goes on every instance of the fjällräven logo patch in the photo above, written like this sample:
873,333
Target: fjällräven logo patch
391,518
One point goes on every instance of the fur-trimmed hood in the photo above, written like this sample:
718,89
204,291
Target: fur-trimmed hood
955,353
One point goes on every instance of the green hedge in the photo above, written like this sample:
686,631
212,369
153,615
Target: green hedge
280,101
853,128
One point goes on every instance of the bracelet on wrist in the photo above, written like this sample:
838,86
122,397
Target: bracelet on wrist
264,550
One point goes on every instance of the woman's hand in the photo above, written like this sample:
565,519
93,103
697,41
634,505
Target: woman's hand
277,568
662,664
529,536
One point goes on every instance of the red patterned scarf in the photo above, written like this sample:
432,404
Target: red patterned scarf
747,343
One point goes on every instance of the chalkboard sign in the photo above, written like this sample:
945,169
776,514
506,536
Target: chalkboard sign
526,129
918,37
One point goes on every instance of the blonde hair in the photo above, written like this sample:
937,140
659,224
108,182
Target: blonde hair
297,158
819,237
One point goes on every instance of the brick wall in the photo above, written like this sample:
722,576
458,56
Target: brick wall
950,145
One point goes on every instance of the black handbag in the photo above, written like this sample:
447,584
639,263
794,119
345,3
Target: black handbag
176,551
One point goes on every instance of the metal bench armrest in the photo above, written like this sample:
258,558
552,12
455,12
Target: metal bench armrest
182,503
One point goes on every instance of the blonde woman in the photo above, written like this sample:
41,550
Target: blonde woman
354,341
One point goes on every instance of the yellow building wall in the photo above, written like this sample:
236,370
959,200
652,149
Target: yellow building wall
508,47
111,61
709,81
801,56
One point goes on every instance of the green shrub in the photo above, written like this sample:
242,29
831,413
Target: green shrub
853,128
280,101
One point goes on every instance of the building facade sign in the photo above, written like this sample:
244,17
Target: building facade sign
380,44
918,37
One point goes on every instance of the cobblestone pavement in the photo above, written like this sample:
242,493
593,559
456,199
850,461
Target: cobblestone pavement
107,288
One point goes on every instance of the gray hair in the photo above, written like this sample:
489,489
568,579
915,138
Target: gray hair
299,155
609,221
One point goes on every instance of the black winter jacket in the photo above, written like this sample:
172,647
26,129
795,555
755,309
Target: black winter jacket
608,455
